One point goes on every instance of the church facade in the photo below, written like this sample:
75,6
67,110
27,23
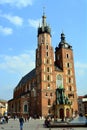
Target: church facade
35,93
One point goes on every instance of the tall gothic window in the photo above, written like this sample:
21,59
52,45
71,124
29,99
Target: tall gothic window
47,61
47,47
68,72
48,69
49,102
47,53
48,77
69,80
25,108
59,81
68,65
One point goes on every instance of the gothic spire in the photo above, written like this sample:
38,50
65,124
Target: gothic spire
44,18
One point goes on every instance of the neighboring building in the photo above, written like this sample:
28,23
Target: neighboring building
84,100
82,105
35,94
3,107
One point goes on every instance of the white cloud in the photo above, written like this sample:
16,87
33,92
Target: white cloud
34,23
81,65
81,69
6,30
22,63
16,20
17,3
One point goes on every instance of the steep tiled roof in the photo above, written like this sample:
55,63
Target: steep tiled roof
27,77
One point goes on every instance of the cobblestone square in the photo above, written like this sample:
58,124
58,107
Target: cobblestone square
31,125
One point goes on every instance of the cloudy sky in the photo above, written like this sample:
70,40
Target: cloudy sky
19,20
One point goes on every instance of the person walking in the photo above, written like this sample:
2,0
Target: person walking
21,120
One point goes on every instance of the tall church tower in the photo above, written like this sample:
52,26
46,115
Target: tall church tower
64,60
44,69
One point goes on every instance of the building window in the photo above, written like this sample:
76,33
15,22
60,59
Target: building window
68,72
70,88
67,55
46,94
48,77
71,95
48,69
47,61
47,53
68,65
25,108
69,80
46,46
49,102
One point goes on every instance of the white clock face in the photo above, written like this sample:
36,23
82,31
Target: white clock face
66,45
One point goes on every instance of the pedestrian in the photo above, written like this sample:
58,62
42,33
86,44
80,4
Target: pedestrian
21,120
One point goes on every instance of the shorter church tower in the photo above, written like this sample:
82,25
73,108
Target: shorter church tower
64,60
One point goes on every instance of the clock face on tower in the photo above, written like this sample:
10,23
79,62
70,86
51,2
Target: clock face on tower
66,45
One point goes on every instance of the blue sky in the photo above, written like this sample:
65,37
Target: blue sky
19,20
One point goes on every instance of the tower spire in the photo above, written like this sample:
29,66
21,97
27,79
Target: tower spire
44,18
44,28
44,10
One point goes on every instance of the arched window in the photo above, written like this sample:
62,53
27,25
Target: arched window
49,102
70,88
48,69
25,106
47,61
68,72
46,46
69,80
68,65
48,77
47,53
46,94
67,55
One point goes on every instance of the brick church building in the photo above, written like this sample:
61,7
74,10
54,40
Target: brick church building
35,93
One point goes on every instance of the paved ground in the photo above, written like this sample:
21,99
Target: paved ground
31,125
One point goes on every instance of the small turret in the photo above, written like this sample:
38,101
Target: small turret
63,43
62,37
